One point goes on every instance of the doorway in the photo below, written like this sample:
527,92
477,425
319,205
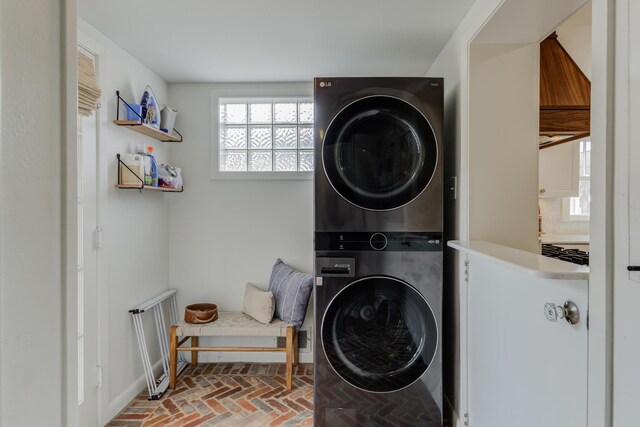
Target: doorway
88,232
565,140
513,23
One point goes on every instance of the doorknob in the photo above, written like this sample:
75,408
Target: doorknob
569,312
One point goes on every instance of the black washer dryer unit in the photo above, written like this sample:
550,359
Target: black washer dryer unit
377,354
378,154
378,247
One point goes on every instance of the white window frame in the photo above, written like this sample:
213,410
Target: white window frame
566,201
255,91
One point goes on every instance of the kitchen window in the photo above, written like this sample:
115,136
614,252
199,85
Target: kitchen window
265,135
578,208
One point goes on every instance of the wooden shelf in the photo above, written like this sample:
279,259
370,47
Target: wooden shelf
148,130
148,187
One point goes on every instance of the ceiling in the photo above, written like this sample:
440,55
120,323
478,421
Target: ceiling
277,40
526,21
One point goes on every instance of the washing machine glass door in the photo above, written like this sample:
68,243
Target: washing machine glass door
379,334
379,153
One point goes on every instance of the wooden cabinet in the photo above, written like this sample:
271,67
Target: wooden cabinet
559,170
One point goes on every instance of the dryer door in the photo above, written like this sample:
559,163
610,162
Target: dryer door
379,153
379,334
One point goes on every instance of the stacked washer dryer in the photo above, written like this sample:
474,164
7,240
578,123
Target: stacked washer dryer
378,249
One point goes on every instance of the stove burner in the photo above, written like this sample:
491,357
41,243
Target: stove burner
575,256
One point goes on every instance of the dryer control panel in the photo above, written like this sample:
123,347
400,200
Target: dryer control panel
387,241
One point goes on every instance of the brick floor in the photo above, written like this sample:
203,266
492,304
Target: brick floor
227,394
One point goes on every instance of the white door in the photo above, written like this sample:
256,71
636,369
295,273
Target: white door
626,340
88,377
523,369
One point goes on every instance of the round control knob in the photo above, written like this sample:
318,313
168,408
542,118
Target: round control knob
378,241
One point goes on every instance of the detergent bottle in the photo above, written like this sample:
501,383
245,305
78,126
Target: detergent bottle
146,164
153,172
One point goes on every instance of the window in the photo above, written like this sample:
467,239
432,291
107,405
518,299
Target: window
265,135
577,208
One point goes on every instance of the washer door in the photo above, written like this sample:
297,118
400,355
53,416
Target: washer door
379,153
379,334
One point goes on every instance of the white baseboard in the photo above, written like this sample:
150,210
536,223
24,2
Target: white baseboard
124,398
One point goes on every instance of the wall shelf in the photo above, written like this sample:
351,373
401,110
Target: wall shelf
148,187
140,186
143,128
148,130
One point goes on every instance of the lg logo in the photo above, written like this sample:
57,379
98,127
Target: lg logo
325,84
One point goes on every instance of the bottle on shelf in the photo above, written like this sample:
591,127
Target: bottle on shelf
146,165
153,173
131,168
150,166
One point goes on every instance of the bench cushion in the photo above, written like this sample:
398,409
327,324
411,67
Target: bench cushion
291,289
258,304
232,323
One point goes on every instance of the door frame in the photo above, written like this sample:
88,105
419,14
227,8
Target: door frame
96,48
600,310
69,226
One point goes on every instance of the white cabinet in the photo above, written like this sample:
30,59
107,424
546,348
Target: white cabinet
559,170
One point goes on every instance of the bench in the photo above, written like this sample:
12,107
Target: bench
232,324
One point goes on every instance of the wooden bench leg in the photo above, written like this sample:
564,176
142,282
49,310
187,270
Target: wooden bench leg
295,349
194,353
173,356
289,353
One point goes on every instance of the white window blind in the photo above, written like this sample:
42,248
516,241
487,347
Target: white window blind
88,91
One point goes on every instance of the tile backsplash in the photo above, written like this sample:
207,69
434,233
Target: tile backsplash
552,223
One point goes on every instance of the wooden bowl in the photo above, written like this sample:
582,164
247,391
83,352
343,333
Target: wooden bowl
200,313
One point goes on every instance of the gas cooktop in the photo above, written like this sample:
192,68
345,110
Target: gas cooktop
575,256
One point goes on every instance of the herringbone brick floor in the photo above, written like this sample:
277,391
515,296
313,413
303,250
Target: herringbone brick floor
227,394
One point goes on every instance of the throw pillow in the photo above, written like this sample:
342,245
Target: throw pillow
258,304
291,290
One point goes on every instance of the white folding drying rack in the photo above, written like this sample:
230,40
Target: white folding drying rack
168,299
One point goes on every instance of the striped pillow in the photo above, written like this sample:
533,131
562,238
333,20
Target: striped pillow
291,290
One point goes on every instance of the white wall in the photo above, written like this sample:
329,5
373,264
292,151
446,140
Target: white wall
134,259
503,148
574,35
225,233
31,318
